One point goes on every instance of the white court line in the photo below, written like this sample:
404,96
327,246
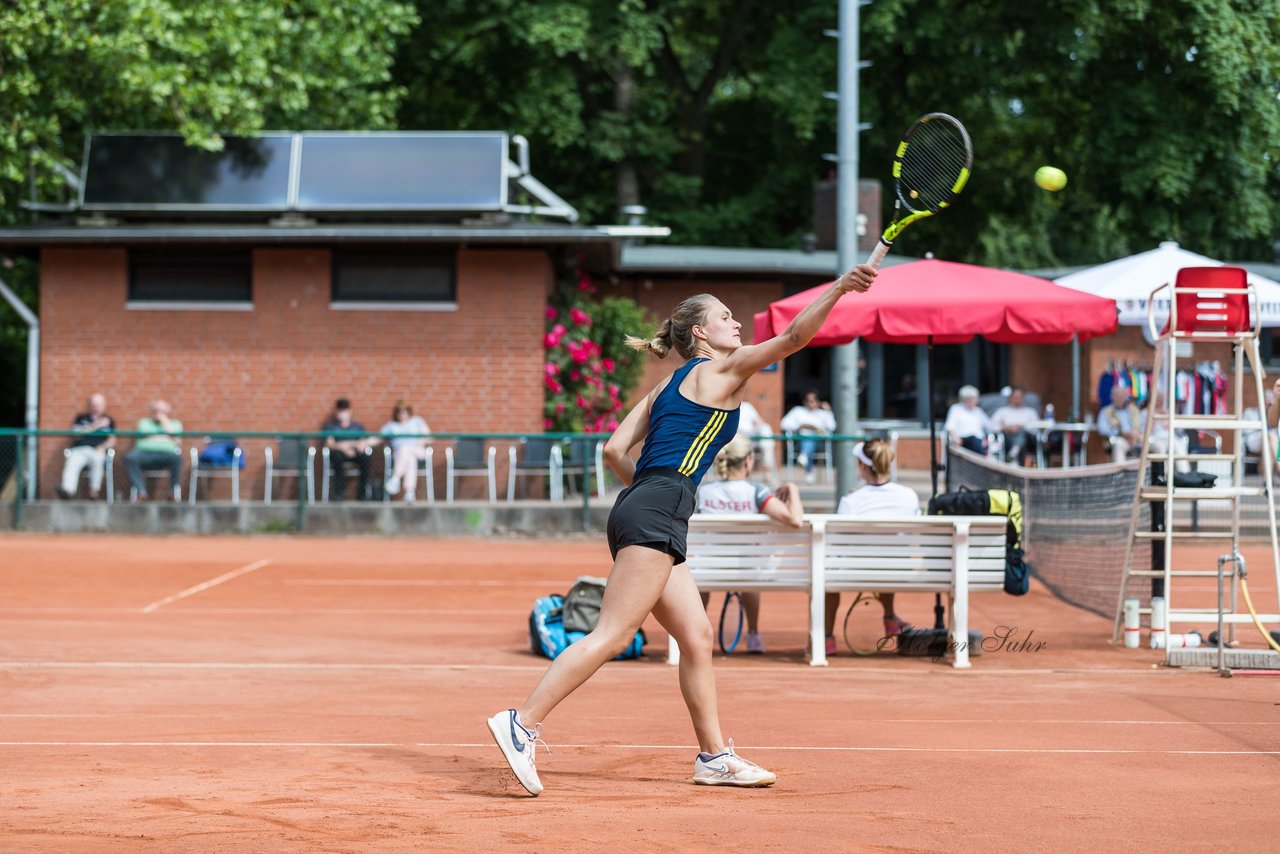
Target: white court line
472,612
937,721
213,582
665,672
654,747
420,582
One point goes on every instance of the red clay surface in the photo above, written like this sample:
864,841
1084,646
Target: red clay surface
333,699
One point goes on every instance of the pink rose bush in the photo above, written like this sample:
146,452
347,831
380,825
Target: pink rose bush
588,370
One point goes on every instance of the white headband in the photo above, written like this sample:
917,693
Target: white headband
862,456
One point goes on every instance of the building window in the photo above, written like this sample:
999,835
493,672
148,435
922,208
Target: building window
374,278
195,278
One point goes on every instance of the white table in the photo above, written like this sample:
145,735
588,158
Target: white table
1043,428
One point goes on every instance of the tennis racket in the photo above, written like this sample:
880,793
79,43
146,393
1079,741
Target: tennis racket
930,168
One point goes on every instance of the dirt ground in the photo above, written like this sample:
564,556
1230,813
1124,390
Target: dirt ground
289,694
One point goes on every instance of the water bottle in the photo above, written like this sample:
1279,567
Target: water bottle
1048,413
1175,641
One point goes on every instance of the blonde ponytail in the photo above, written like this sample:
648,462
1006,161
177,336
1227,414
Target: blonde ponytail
882,456
659,345
732,456
676,332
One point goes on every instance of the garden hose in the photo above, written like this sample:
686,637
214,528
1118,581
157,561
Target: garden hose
1244,588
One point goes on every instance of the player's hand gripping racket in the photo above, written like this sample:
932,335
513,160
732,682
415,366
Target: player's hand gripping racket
930,169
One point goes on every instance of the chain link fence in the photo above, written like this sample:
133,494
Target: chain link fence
344,482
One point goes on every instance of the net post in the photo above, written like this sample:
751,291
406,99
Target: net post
587,460
304,484
18,493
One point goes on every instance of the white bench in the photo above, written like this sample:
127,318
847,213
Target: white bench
955,555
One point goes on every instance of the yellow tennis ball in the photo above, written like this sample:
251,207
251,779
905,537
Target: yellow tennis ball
1051,178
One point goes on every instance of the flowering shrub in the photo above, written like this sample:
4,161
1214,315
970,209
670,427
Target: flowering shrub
589,369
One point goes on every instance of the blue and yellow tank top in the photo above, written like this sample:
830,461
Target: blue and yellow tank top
684,435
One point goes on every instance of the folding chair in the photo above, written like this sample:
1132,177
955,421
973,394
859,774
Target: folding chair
581,457
108,473
290,464
541,457
469,458
426,468
231,470
350,469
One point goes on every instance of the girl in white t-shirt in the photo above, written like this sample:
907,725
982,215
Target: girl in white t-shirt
879,496
408,434
735,493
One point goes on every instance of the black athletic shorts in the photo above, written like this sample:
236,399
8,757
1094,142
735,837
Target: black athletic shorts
654,512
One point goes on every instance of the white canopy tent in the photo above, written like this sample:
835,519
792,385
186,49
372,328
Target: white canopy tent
1130,281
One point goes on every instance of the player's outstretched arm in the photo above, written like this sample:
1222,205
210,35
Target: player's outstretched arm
751,358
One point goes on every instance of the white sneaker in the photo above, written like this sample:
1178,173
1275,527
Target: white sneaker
393,485
802,460
809,478
410,496
730,769
517,745
755,643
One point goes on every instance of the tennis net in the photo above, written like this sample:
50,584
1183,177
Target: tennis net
1075,525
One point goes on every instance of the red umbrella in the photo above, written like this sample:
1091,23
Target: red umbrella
942,302
949,303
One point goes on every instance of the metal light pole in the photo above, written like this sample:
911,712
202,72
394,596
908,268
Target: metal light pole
844,359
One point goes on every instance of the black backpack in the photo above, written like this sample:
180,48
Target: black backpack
992,502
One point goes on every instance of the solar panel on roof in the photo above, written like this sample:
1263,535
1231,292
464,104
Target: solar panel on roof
402,171
160,172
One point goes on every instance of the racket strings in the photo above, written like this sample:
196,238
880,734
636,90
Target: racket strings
935,158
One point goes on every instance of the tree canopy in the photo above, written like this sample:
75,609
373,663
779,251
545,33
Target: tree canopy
201,67
1163,114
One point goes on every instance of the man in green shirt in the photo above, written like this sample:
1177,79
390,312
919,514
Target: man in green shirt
155,448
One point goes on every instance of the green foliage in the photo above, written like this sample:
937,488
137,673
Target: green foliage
201,67
1163,114
713,108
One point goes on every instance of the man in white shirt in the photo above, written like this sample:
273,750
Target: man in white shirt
1012,420
811,419
967,425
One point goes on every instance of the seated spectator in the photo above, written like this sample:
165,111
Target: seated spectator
155,448
735,494
1121,423
967,425
1253,438
810,420
1159,441
89,449
1012,420
751,425
878,496
348,446
408,448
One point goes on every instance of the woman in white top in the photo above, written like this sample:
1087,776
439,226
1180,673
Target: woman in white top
735,493
877,497
408,446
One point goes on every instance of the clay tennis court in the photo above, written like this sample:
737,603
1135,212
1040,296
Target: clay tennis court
282,694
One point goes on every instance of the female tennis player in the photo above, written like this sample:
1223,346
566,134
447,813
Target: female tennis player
683,422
